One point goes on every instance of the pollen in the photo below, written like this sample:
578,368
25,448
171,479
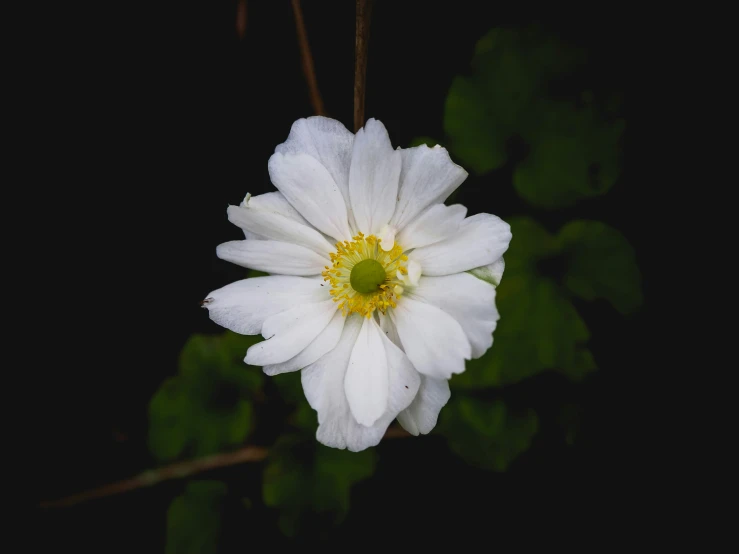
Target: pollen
364,277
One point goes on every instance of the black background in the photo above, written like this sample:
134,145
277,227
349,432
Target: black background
174,119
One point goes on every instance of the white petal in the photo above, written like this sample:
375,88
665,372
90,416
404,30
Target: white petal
373,178
480,240
492,273
435,224
289,332
422,414
272,257
271,202
391,332
366,381
323,383
274,202
411,278
323,343
427,176
404,379
433,340
326,140
467,299
387,237
309,187
243,306
274,226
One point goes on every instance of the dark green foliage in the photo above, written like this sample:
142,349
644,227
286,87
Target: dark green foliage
207,407
539,327
486,434
306,478
601,264
194,519
573,148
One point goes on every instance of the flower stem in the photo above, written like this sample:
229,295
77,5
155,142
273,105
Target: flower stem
180,470
305,55
364,13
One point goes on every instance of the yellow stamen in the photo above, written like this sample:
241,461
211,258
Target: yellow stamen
347,255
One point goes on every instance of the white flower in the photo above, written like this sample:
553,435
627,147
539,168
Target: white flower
369,293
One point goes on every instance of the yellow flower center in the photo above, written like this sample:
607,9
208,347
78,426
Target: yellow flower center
364,277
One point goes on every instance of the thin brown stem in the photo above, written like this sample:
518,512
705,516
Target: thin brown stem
155,476
364,14
305,55
241,19
180,470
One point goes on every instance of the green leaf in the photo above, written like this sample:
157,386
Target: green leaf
539,328
168,430
308,481
602,264
470,123
573,148
206,408
428,141
290,386
194,519
574,154
486,434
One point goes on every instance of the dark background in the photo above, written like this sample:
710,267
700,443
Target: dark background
177,122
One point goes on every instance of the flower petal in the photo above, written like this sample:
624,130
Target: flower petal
272,257
373,178
433,340
467,299
391,332
309,187
243,306
324,342
435,224
480,240
323,383
366,381
274,226
404,379
492,273
422,414
289,332
273,202
326,140
427,176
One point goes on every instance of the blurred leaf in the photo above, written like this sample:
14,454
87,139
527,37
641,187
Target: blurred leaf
168,430
206,408
290,386
428,141
573,155
309,482
486,434
194,519
573,150
470,123
539,328
256,273
291,390
602,264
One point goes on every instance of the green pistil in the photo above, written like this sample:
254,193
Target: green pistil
367,276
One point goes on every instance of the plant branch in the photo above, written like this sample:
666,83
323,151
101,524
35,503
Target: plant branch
364,14
307,59
180,470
